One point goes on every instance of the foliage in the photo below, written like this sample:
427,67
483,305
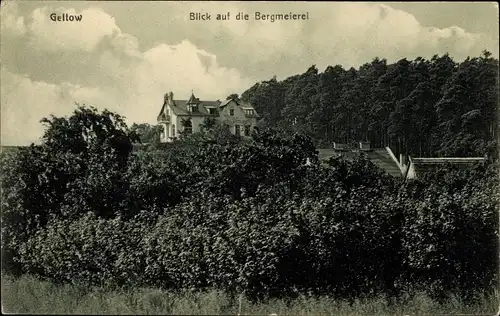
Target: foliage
420,107
451,231
148,134
80,167
267,224
263,216
233,96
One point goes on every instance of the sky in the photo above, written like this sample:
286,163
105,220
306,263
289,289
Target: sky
125,55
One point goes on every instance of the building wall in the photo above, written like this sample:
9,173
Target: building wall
167,128
239,118
174,122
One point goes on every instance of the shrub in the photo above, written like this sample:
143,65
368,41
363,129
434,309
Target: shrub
249,216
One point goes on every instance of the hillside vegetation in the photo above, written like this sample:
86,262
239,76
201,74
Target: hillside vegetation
239,216
422,107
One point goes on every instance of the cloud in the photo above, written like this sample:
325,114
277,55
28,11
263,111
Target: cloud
94,61
137,94
179,68
24,102
85,35
349,34
360,32
11,23
134,84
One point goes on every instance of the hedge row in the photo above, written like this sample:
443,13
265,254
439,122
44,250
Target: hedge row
349,243
247,216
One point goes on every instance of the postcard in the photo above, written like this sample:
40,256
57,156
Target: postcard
229,157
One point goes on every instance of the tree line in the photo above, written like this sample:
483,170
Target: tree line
421,107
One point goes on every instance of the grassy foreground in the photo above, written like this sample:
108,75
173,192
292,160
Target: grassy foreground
29,295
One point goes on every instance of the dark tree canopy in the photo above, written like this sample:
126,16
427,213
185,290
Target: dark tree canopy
147,133
233,96
420,107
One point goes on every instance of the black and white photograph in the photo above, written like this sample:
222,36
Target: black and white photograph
249,158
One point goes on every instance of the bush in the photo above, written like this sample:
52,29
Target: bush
243,216
96,251
450,234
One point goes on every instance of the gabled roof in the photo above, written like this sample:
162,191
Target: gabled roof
242,104
161,110
193,99
223,104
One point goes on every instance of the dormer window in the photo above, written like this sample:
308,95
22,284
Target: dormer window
212,111
193,108
192,104
249,112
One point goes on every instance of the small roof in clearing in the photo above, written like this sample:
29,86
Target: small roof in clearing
444,160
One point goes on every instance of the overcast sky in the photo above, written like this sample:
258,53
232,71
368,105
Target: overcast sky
125,56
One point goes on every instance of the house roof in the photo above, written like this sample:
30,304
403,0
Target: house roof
226,102
423,165
378,156
193,99
445,160
243,104
179,107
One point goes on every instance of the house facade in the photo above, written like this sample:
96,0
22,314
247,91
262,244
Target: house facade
188,116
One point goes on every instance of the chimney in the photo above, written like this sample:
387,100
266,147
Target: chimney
171,95
364,146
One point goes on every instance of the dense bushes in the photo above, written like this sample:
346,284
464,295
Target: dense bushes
451,235
247,217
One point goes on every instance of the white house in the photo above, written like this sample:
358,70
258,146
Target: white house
187,116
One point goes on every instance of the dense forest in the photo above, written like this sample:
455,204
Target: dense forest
421,107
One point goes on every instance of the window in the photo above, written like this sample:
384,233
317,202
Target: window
237,130
249,112
212,111
173,130
247,130
231,112
193,108
188,127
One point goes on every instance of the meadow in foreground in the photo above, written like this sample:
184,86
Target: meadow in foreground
29,295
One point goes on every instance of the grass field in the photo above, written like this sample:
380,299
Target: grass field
28,295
